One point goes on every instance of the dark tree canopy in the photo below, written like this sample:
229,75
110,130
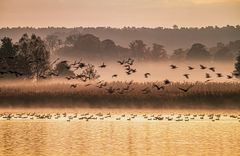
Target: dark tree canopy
237,66
223,54
158,52
198,52
29,56
138,49
178,55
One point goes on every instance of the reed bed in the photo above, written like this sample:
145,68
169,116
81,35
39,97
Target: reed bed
202,95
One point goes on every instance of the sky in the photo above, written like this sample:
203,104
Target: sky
119,13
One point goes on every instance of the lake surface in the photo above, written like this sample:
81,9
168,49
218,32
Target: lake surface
120,132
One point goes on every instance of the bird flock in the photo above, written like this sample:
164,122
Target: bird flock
89,73
177,117
128,67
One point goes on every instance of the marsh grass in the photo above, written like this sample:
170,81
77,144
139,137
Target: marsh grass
202,95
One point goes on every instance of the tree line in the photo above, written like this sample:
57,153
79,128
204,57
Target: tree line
172,38
29,57
90,46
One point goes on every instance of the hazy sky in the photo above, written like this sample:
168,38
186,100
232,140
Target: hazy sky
119,13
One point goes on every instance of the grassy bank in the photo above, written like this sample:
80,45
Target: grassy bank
201,95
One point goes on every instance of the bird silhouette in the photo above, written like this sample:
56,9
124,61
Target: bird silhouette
146,75
121,62
190,68
219,75
186,75
110,90
166,82
208,80
185,89
173,66
229,76
158,87
103,65
207,76
115,75
73,85
202,66
212,69
88,84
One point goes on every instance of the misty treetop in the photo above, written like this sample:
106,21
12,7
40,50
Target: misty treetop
28,57
171,38
91,47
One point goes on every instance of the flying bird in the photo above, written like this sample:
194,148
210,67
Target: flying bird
207,76
121,62
202,66
103,65
219,75
166,82
173,66
186,75
73,86
229,76
146,75
190,68
185,89
212,69
115,75
157,87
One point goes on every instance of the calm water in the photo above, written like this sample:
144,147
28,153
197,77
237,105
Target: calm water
119,137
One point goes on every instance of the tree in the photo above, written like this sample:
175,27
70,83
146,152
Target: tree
138,49
198,52
34,54
223,54
178,55
7,55
236,72
88,43
90,72
53,42
158,52
108,48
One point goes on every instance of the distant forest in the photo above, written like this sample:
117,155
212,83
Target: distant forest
171,38
32,56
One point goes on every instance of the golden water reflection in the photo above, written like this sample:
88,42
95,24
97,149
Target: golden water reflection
119,138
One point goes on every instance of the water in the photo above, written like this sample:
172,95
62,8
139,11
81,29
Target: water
139,136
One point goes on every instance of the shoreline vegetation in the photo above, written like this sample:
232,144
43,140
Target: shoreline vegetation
225,95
